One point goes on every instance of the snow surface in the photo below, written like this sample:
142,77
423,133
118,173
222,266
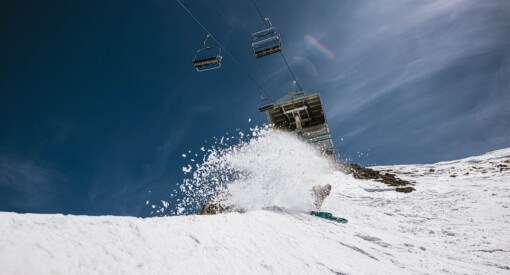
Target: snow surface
451,224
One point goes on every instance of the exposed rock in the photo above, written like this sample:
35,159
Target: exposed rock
504,166
408,189
218,205
360,172
212,208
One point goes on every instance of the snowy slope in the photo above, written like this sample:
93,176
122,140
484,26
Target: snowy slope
449,224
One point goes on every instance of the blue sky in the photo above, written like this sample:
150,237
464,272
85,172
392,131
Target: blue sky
98,100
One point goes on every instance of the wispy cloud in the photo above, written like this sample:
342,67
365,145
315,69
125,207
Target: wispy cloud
117,189
404,66
25,185
390,46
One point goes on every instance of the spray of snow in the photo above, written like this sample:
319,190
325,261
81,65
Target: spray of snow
265,168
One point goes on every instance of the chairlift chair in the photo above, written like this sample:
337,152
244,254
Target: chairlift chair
267,41
208,57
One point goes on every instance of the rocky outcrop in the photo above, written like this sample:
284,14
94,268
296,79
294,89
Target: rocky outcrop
219,205
408,189
213,208
363,173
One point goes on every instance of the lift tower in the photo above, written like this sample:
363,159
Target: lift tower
302,112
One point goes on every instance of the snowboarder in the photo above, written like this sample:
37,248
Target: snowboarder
320,193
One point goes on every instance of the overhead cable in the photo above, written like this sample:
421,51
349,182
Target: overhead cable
283,56
258,64
261,90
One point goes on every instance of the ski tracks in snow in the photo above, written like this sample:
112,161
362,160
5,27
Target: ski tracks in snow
455,225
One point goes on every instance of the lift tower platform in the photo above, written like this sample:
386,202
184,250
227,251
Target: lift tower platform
302,112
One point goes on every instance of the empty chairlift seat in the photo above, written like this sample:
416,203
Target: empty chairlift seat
208,57
302,112
267,41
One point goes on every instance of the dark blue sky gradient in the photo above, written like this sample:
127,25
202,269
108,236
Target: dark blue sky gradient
98,99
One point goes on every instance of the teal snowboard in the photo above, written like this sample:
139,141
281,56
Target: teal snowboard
328,216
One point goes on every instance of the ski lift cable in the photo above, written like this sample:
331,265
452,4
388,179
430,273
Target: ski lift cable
219,11
258,64
260,13
261,90
293,76
283,56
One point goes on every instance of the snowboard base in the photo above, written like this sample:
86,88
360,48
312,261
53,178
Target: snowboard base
328,216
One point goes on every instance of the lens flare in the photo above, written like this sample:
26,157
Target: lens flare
319,46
